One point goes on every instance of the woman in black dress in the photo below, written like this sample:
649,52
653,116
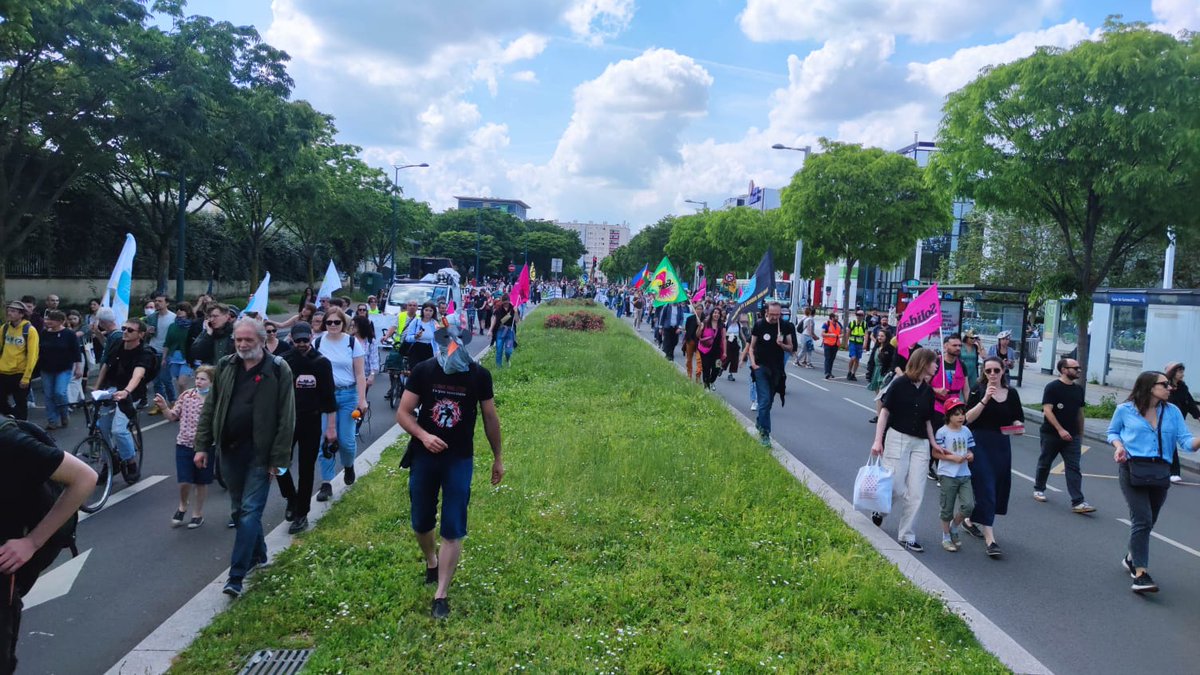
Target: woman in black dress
994,413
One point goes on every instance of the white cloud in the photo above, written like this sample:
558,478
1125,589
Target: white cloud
447,123
921,20
946,75
628,120
1176,15
846,75
598,20
525,76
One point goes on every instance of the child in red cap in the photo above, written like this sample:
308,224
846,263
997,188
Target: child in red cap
954,476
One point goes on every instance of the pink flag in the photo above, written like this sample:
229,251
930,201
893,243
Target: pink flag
520,290
450,308
699,296
922,318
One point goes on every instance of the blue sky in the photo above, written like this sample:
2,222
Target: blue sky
619,110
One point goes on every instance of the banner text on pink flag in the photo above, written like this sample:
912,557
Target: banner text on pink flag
520,290
922,317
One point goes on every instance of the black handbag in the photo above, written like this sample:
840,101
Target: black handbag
1150,472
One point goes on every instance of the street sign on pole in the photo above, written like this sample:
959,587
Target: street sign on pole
556,265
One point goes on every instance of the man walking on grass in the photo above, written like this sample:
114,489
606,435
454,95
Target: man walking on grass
449,390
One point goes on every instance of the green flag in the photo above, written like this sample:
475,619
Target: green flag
664,285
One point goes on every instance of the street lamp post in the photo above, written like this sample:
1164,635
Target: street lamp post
396,206
703,204
478,236
799,289
780,146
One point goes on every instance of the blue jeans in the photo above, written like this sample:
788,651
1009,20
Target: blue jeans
55,387
165,384
504,344
249,486
347,400
764,396
753,388
114,424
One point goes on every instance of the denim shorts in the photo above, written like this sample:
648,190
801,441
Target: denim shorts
185,467
452,476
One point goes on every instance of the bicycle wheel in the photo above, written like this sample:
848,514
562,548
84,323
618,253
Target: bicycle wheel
135,430
96,453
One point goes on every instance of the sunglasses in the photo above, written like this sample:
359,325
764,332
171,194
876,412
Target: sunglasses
300,341
362,309
333,322
993,371
271,332
1168,385
129,329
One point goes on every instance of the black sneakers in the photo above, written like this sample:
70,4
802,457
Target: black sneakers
913,546
877,518
1128,565
973,530
431,575
298,525
993,550
131,471
441,608
1144,584
325,492
348,474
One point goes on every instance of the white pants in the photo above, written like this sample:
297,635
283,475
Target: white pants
908,458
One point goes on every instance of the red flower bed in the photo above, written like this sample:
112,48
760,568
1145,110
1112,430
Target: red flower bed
584,321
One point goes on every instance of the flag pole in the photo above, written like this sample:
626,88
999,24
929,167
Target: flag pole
943,357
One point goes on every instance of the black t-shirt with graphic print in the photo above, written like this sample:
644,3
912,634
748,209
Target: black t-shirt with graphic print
449,405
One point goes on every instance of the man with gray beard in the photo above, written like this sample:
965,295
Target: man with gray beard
249,417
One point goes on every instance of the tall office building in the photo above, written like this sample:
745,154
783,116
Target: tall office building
600,240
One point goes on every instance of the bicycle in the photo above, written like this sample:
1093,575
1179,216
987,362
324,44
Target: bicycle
97,452
396,366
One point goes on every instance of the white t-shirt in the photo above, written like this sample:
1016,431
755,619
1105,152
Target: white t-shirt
162,323
338,353
959,442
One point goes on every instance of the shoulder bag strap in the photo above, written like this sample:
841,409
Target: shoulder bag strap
1161,408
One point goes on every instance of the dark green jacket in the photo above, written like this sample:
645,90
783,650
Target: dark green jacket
274,410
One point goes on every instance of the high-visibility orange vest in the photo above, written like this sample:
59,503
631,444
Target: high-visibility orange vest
832,335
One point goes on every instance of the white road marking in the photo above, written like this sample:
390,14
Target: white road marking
1182,547
864,407
1031,480
155,425
57,582
128,492
807,382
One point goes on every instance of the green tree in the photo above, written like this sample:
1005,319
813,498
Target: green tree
61,62
862,205
1102,140
268,135
999,249
178,118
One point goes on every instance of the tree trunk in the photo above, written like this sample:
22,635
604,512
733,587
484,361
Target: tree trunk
1083,315
164,262
312,278
255,257
846,292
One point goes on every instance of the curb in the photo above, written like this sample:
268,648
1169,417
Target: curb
156,653
993,638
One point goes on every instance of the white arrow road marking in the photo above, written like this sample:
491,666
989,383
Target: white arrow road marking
145,483
57,582
1182,547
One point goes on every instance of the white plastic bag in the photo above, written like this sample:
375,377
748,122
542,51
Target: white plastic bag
873,487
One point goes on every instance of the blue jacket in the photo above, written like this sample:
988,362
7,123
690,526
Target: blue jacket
1141,440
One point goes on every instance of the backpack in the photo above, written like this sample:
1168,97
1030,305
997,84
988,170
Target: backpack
49,493
317,344
4,335
152,371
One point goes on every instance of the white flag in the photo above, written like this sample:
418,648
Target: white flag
117,293
332,283
258,301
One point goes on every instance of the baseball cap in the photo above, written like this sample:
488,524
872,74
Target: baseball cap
17,304
953,402
301,329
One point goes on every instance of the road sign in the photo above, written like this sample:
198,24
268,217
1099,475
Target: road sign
556,265
512,267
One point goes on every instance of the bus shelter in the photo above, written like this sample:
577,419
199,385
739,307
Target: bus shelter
987,310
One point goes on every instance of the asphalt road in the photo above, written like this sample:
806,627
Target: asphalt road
138,570
1060,589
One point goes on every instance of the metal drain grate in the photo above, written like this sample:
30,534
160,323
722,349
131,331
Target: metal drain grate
276,662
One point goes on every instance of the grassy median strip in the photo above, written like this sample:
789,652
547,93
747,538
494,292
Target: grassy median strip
639,528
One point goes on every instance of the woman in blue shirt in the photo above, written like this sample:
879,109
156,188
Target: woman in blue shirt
419,333
1146,428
